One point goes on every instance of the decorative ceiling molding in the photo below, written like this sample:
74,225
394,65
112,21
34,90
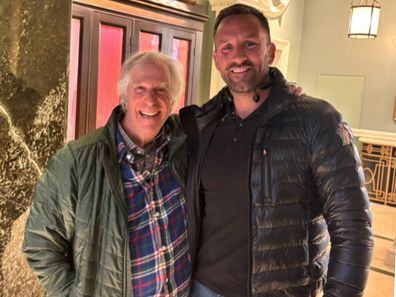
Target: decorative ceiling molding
273,11
270,10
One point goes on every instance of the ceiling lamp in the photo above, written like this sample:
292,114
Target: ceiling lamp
364,19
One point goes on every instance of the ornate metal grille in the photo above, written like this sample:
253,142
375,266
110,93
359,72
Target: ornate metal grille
379,164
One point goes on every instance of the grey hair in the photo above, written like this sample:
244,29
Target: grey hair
139,59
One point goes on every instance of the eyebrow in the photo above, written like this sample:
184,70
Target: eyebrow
252,35
163,85
142,82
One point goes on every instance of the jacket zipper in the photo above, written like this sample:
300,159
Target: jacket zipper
250,249
173,170
112,189
125,289
195,205
250,257
193,217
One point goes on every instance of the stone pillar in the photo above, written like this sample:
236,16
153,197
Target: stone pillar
34,48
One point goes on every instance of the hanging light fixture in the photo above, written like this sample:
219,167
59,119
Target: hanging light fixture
364,19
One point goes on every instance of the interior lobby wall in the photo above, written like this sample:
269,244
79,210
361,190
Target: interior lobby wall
34,47
207,48
327,50
289,27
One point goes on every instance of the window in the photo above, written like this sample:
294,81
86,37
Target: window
102,39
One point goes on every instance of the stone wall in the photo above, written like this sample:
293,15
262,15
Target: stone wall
34,47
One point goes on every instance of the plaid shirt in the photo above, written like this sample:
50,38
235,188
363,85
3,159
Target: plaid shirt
157,227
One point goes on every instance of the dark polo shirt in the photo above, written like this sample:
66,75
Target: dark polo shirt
223,255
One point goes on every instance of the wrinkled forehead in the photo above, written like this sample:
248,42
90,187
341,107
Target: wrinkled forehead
152,64
151,71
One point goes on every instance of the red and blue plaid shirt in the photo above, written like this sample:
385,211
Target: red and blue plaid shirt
157,226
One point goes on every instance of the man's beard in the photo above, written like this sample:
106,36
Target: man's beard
242,85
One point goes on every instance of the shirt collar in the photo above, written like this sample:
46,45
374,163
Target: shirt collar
126,145
230,109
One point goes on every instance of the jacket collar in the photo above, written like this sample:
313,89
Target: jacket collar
172,127
279,98
109,131
214,109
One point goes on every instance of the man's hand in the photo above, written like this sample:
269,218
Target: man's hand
295,90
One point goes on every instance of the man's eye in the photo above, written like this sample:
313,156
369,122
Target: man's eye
226,49
139,90
251,45
161,91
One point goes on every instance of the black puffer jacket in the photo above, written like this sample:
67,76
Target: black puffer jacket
306,183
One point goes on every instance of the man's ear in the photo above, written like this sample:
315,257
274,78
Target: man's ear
214,56
271,52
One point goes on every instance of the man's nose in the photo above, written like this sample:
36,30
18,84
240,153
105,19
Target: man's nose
151,97
239,54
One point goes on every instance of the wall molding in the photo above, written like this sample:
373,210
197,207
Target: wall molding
282,54
270,10
375,137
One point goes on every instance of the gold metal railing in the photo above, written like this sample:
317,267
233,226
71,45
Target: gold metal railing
379,164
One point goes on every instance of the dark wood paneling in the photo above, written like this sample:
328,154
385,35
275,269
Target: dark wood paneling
112,20
182,21
149,11
84,70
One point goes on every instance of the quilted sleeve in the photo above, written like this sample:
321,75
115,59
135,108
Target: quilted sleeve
50,225
340,182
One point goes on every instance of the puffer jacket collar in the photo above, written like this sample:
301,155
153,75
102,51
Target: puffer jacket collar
195,118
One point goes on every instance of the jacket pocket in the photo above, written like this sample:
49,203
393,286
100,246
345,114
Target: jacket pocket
266,176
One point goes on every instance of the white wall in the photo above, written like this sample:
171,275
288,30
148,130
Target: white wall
289,27
326,49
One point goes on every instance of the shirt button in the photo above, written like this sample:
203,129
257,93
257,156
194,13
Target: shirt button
264,152
129,156
157,214
240,125
234,139
163,249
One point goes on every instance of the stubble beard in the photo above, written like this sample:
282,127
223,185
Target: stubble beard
241,86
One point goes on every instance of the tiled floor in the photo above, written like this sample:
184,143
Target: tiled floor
381,277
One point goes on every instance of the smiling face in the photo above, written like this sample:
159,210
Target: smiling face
148,102
243,52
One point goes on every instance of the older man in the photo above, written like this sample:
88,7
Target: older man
108,217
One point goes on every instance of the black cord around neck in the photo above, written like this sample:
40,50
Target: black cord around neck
256,96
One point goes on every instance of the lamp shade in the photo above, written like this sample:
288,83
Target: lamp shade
364,19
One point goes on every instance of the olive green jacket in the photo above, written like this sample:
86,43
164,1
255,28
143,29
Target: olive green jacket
76,238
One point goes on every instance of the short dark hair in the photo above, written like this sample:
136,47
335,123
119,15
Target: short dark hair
242,9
